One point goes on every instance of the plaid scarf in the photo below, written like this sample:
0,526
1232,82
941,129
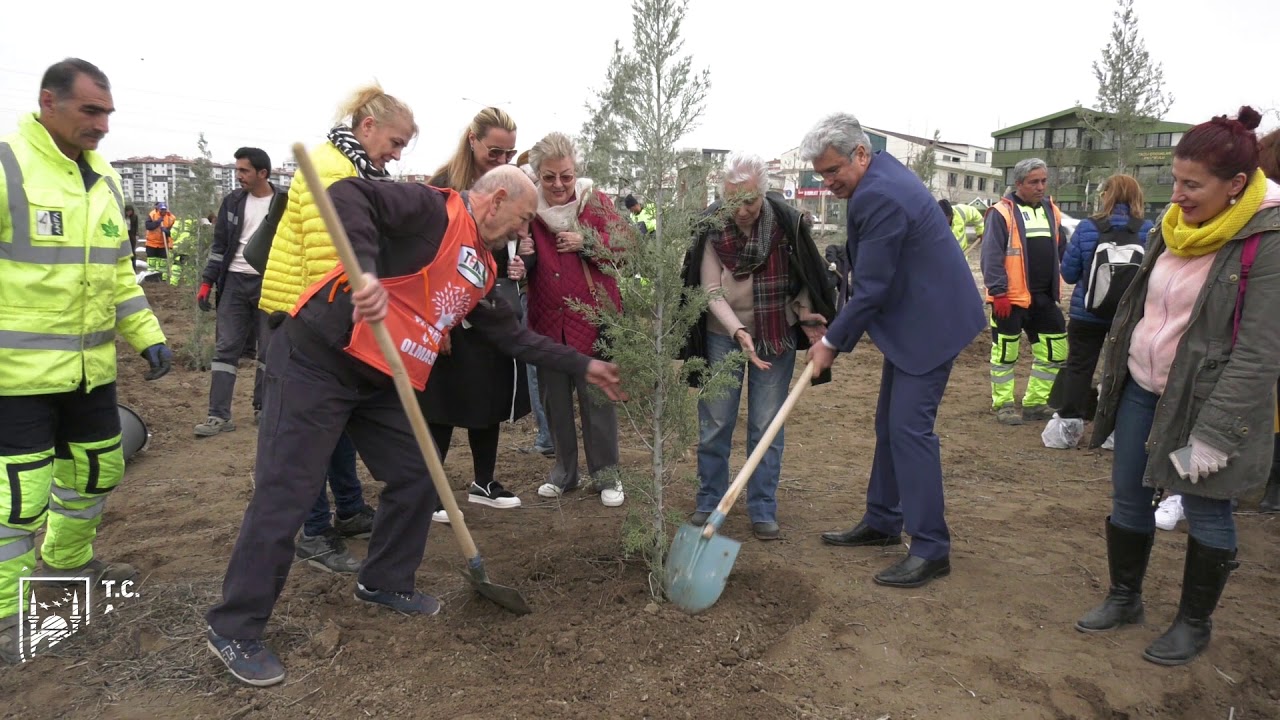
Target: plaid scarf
345,140
762,257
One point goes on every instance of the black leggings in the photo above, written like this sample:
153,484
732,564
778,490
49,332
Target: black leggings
484,448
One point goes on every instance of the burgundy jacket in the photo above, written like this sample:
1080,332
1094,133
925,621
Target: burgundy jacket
559,276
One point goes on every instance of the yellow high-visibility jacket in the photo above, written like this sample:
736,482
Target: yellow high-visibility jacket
67,282
302,252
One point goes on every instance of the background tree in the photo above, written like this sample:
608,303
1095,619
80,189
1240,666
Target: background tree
604,139
664,99
925,163
1131,94
195,197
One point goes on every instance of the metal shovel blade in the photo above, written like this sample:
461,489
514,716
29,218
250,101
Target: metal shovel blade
508,598
698,568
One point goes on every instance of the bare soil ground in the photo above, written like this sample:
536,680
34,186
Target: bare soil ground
800,632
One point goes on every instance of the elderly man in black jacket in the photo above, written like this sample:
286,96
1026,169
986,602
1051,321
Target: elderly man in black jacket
315,390
770,296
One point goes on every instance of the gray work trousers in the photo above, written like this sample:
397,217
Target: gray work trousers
238,319
599,429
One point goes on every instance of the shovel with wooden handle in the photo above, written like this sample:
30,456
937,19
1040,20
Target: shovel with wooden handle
507,597
700,560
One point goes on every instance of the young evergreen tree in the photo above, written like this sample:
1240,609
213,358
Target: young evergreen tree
655,98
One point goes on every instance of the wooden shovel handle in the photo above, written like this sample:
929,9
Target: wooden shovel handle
404,388
762,447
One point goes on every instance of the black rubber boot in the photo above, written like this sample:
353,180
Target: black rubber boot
1127,555
1203,578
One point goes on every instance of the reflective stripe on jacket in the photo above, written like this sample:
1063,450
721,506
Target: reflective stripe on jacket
1009,275
67,281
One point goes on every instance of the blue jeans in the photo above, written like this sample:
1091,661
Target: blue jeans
766,391
347,494
1209,521
539,415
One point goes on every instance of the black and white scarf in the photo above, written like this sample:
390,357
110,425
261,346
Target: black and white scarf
345,140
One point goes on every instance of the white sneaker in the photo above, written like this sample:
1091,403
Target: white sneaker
440,516
612,497
1110,442
1169,512
550,490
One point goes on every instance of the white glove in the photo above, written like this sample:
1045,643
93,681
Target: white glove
1205,460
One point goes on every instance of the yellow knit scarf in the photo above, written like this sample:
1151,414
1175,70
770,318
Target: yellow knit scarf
1187,240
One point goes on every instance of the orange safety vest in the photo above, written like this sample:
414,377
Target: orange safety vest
1015,262
158,238
424,306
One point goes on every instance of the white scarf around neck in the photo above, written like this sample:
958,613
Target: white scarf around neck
564,218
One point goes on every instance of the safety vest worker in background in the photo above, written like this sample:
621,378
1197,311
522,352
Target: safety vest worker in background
642,216
159,241
66,288
961,218
1021,267
183,250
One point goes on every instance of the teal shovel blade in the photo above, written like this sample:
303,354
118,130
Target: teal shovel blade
698,567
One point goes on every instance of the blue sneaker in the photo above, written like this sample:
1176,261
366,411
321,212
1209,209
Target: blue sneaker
248,660
411,603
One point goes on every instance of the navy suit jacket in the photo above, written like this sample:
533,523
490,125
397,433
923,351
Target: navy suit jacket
912,291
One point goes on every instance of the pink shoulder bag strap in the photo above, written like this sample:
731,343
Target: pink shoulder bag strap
1247,256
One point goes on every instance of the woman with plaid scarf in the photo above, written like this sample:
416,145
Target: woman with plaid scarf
769,295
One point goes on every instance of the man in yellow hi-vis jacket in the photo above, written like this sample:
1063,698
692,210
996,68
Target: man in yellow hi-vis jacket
66,288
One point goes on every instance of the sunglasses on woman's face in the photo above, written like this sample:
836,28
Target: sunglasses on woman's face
496,153
550,179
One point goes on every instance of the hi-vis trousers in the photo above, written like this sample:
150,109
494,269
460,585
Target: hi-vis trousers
61,454
1047,330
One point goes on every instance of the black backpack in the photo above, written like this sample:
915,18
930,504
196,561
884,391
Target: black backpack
1116,260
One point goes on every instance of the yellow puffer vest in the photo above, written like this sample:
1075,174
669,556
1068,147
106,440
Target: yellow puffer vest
302,252
67,282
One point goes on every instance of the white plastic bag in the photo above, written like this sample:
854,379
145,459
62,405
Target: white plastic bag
1109,443
1062,434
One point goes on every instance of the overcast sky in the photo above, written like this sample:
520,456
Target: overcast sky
272,73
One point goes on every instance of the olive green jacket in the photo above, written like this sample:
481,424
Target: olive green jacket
1224,396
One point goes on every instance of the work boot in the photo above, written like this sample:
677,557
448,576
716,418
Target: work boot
1203,577
1034,413
97,571
9,640
213,426
1008,415
326,552
1127,555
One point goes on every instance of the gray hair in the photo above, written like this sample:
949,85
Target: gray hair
507,177
554,146
741,168
840,131
1026,167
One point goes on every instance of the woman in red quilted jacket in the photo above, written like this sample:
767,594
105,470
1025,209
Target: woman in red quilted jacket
572,218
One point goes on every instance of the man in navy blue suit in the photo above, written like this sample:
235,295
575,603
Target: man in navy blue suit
913,293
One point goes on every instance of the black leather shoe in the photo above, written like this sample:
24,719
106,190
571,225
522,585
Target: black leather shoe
913,571
698,519
766,530
861,535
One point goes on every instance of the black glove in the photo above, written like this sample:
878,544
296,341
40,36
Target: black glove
161,359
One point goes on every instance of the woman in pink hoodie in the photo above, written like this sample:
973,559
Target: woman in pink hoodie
1189,376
